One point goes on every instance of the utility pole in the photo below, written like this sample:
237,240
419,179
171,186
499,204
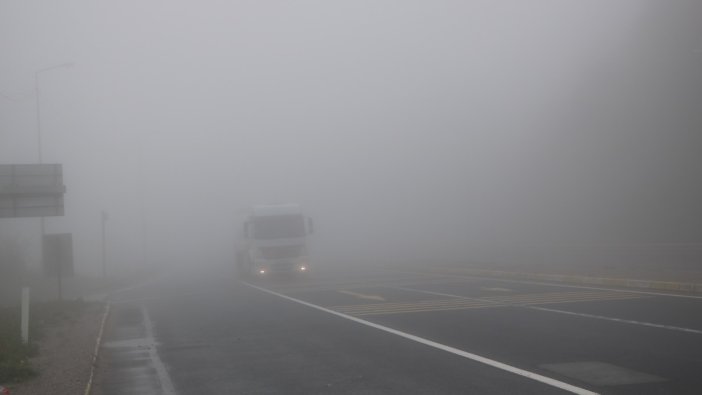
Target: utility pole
104,238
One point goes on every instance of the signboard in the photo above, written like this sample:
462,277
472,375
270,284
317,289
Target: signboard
58,254
32,190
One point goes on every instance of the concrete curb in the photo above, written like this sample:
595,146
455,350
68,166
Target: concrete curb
585,280
96,351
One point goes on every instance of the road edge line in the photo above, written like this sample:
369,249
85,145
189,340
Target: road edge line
96,350
474,357
620,320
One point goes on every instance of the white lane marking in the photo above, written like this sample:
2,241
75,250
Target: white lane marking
499,365
161,372
360,295
556,285
600,317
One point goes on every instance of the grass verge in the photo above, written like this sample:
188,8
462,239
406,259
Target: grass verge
15,366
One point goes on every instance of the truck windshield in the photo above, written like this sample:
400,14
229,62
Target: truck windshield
279,227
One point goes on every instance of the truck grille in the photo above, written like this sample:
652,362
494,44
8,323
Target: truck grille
282,252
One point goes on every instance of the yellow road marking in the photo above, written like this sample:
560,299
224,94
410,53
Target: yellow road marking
474,303
361,296
417,310
565,297
461,303
429,304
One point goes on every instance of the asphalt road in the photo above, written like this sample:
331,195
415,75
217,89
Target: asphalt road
376,332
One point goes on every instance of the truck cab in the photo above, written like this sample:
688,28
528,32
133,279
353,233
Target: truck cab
274,241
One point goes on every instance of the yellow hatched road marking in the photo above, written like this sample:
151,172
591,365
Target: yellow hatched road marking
562,298
424,304
560,294
419,302
574,300
417,310
361,296
462,303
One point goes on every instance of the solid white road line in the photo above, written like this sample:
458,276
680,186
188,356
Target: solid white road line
499,365
599,317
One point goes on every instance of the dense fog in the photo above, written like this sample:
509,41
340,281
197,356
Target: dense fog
434,131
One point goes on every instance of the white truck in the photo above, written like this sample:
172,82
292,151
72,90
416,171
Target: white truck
274,240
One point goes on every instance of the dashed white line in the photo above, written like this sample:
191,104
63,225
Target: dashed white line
496,364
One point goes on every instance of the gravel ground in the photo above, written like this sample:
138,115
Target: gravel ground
65,355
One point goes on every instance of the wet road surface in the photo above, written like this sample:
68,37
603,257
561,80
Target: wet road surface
376,332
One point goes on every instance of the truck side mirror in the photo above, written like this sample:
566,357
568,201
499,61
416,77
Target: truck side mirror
310,225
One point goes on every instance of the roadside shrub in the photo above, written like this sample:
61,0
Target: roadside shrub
14,356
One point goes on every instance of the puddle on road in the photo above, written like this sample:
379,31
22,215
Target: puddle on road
129,360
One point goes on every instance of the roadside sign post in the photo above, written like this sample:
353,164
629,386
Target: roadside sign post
33,190
24,325
58,260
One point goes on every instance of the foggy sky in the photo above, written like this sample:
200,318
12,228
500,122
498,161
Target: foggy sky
445,130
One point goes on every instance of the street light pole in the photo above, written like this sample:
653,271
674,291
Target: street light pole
40,157
103,221
37,96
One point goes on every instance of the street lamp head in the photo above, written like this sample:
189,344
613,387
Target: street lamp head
36,90
58,66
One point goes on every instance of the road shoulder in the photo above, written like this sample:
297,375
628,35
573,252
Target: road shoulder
65,357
